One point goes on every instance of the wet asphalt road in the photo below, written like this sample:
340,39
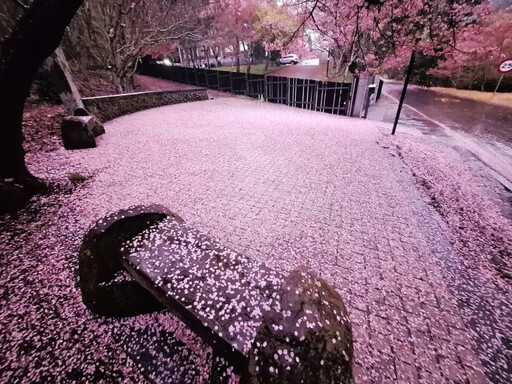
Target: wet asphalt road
481,119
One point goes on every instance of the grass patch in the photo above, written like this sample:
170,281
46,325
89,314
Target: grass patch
257,69
486,97
77,178
339,78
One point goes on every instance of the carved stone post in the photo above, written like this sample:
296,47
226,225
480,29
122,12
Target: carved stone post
60,76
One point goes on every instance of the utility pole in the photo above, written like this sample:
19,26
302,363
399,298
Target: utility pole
404,89
505,67
498,85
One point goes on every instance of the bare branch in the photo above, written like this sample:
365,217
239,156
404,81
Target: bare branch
310,14
133,5
20,4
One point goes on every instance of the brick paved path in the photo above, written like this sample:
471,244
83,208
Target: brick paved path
292,187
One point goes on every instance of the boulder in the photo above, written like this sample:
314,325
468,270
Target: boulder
13,197
98,129
77,132
307,340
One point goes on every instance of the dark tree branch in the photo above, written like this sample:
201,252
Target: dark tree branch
303,23
20,4
133,5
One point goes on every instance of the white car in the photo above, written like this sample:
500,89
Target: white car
289,59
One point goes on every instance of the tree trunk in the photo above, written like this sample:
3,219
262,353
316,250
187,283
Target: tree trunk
117,83
485,79
267,61
181,55
207,53
347,65
237,54
12,154
249,52
36,35
125,73
126,83
217,57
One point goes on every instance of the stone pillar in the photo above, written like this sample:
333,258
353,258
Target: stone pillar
60,76
307,340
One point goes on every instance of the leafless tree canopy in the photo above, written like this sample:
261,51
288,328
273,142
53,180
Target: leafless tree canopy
113,34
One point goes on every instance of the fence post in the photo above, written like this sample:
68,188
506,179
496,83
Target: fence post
381,83
353,94
288,88
306,103
265,94
207,75
321,91
340,100
247,90
315,97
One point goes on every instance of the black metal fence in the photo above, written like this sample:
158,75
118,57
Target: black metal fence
379,89
329,97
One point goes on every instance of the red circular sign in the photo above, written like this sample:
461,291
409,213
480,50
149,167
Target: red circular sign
505,66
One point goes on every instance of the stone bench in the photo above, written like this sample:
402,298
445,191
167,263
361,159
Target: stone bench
262,325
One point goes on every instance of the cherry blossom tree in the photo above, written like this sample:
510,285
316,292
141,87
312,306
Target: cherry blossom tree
480,47
31,38
430,28
233,25
344,29
255,25
275,27
367,34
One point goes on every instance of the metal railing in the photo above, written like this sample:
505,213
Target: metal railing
323,96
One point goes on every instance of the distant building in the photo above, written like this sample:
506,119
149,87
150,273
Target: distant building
205,55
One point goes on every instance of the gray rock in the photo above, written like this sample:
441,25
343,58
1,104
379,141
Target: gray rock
98,129
77,132
106,288
307,340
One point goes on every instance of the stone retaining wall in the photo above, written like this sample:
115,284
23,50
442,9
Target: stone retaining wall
110,107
